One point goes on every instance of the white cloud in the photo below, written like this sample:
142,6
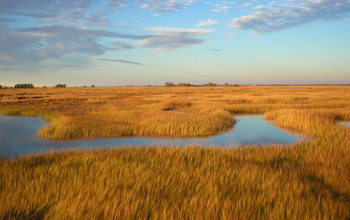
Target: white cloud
116,3
221,6
80,11
277,16
123,46
35,45
167,39
207,22
165,5
45,8
118,60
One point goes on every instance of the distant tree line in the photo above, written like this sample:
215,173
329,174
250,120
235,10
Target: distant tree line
4,87
179,84
24,85
60,86
29,85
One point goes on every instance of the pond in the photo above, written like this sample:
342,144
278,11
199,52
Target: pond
347,124
18,136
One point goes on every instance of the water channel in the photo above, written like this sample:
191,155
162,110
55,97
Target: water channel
18,136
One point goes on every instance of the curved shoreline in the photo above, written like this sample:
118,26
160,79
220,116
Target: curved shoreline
249,130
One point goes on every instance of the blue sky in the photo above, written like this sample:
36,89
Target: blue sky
141,42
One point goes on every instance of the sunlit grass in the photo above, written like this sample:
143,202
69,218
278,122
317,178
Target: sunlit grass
149,111
309,180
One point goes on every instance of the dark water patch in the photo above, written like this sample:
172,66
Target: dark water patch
18,136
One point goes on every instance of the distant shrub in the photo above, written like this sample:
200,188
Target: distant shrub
184,84
169,84
60,86
210,84
92,85
4,87
24,85
179,84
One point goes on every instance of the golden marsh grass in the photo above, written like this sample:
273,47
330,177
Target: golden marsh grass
309,180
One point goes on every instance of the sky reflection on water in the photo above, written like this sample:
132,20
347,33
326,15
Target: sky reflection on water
347,124
18,136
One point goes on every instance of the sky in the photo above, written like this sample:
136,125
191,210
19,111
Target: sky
150,42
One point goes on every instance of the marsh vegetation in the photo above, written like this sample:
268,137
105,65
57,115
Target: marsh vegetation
144,111
308,180
252,129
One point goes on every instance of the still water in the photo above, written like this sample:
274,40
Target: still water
347,124
18,136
